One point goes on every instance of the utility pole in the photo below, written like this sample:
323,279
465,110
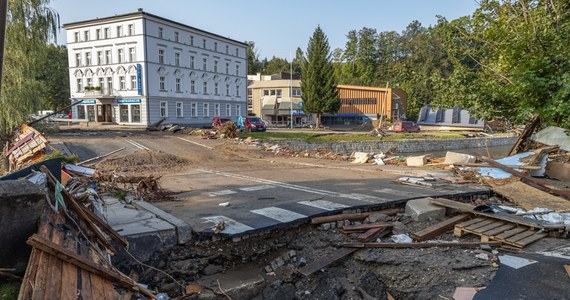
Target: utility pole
3,16
291,87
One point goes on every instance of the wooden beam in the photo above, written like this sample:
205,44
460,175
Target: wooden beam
373,233
418,245
355,216
527,179
85,264
528,130
364,227
327,260
438,229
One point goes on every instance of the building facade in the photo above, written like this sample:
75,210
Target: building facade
139,68
456,118
271,96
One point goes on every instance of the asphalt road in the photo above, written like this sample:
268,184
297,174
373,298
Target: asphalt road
254,192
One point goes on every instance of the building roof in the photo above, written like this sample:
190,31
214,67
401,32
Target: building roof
142,14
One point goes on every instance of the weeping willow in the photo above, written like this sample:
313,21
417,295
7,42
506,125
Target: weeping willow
30,26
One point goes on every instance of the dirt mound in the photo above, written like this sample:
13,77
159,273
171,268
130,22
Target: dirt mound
143,163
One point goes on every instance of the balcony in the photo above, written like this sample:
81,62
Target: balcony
99,93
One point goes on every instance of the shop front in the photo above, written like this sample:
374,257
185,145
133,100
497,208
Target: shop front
129,111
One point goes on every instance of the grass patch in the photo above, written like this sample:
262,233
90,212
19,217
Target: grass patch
9,291
347,137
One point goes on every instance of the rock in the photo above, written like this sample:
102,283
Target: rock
302,262
422,210
454,157
416,161
212,269
361,157
482,256
326,226
373,218
292,253
268,269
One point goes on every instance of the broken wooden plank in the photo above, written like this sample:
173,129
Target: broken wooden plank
371,234
364,227
355,216
419,245
537,183
505,235
322,263
529,197
558,170
527,132
463,207
438,229
529,240
567,268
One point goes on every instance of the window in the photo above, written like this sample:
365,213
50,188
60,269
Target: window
227,68
110,84
216,90
177,59
81,111
192,62
237,52
176,36
133,82
131,54
79,85
122,83
163,109
131,29
193,109
265,92
106,33
121,55
237,91
193,86
161,56
89,81
272,92
237,70
76,37
205,88
215,46
227,49
135,113
205,64
238,109
78,59
227,89
101,82
108,57
178,85
86,35
216,66
296,92
124,113
99,57
191,40
98,33
228,110
160,32
119,31
279,93
162,83
217,109
179,110
204,43
206,110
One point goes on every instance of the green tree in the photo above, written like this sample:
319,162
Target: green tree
55,78
30,25
276,65
318,87
254,66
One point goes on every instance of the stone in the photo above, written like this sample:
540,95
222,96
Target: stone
361,157
268,269
339,224
422,210
454,157
302,261
292,253
373,218
416,161
326,226
280,262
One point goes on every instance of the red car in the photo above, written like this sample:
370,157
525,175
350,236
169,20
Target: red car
406,126
217,122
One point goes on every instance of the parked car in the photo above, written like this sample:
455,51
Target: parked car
253,124
405,126
217,122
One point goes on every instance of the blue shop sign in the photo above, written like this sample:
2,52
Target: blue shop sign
123,101
139,79
298,112
88,102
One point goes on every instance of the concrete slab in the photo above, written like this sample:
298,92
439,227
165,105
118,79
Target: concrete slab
454,157
183,230
128,220
422,210
416,161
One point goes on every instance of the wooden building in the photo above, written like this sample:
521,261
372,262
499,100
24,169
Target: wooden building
361,104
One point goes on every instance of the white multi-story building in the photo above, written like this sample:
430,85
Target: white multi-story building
139,68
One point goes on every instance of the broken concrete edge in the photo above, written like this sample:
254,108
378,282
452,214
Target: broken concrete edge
183,230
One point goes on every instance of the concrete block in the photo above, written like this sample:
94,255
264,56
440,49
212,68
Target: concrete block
183,230
454,157
422,210
416,161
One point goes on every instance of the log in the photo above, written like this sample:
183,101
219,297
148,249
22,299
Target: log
527,132
373,233
419,245
364,227
438,229
100,156
355,216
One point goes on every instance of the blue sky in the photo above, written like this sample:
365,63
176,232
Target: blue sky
276,27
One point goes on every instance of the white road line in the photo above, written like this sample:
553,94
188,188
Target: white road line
279,214
257,188
324,204
138,145
192,142
358,197
398,192
231,226
221,193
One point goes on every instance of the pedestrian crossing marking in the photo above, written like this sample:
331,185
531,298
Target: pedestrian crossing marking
222,192
279,214
324,205
257,188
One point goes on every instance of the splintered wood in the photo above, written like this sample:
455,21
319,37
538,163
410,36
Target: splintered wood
493,230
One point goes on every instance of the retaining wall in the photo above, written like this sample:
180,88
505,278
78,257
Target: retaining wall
398,146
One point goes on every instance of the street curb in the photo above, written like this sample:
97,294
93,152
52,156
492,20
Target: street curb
183,230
